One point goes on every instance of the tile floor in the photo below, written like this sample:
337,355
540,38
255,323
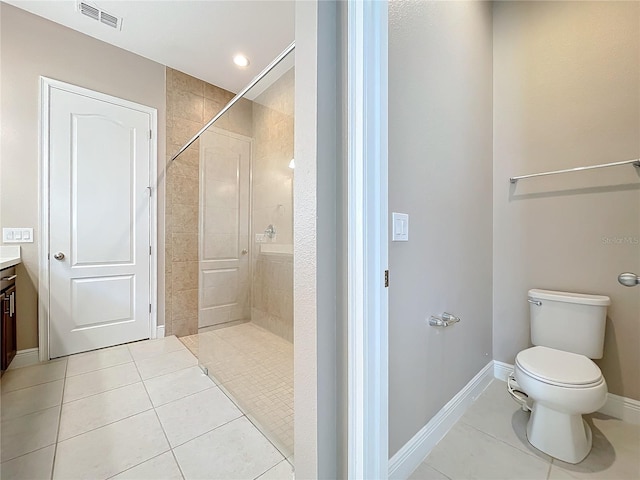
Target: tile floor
255,368
489,442
138,411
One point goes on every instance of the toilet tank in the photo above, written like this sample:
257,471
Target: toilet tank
572,322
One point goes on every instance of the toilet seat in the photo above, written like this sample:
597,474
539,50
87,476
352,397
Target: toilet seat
562,369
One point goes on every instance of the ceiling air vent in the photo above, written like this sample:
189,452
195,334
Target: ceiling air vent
101,16
110,20
89,11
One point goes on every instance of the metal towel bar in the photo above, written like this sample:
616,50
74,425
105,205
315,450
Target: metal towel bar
635,163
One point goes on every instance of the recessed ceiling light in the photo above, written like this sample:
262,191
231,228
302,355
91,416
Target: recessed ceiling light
240,60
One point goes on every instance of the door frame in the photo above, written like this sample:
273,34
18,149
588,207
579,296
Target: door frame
368,237
46,85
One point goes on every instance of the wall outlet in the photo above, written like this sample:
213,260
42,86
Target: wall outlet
261,238
17,235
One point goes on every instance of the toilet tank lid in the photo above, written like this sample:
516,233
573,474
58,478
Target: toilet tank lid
568,297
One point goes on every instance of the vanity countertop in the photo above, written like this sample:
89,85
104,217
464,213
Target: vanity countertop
9,256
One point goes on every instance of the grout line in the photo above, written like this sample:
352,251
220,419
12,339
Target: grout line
256,424
100,369
55,448
100,393
27,453
107,424
30,386
8,419
175,459
167,373
186,396
207,432
138,464
531,454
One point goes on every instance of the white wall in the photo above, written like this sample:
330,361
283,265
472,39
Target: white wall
567,94
32,46
440,156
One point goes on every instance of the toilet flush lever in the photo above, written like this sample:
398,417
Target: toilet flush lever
629,279
535,302
444,320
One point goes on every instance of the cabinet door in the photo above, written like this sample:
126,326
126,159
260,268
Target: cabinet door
6,319
9,338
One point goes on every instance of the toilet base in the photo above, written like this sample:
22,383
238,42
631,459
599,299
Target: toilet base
560,435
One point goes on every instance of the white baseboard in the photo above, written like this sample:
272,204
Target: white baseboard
502,370
160,331
407,459
626,409
24,358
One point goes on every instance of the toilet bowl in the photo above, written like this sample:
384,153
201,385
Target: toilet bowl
562,386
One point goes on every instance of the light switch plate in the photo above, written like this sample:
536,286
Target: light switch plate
400,227
17,235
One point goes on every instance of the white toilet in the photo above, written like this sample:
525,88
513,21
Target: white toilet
561,381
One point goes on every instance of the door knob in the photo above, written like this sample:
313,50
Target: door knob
629,279
59,256
244,251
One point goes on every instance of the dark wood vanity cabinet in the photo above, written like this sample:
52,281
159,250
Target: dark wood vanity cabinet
8,338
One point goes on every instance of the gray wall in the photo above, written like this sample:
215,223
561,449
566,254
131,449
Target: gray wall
567,94
440,157
32,46
317,426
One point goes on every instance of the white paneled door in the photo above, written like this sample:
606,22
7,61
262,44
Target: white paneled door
99,222
225,161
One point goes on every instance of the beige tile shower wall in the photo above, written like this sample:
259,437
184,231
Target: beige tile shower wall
273,294
567,94
273,204
191,103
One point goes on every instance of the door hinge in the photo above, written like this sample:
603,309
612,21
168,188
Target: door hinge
149,308
386,278
150,134
149,249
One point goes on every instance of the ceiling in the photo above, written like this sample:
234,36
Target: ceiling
196,37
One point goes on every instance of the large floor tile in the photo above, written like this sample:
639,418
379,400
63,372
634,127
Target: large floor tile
99,381
162,467
98,410
31,399
282,471
98,359
467,453
172,386
29,433
497,414
151,348
615,454
191,416
33,375
166,363
110,450
241,452
33,466
427,472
